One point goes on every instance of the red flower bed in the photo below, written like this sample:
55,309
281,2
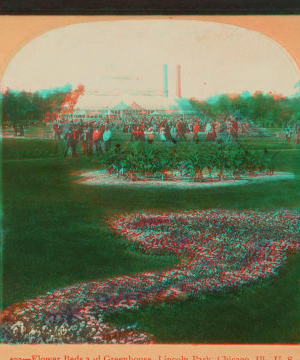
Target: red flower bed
221,250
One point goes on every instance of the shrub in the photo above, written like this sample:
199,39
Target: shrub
142,159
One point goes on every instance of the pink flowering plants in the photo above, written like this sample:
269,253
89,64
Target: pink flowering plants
220,250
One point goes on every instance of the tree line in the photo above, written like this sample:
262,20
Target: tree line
22,108
266,110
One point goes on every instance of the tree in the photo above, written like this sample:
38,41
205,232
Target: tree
23,108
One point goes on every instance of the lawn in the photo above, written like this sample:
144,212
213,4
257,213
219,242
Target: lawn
55,235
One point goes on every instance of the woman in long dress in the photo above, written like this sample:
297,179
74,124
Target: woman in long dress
208,129
173,133
162,134
150,135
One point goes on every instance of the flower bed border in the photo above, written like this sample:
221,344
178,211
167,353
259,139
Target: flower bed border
103,177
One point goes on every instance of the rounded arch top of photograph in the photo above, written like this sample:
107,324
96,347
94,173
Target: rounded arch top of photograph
146,56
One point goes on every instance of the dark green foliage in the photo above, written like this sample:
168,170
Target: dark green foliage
141,159
264,109
55,235
31,149
30,108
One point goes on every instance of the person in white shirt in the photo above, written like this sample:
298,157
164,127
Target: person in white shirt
173,132
150,135
207,128
107,137
162,134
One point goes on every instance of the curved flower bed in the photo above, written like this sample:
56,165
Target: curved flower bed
220,250
101,177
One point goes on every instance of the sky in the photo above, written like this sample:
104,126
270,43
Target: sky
128,56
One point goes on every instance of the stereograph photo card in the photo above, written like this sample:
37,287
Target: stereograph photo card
150,187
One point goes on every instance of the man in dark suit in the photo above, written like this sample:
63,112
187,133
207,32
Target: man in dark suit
89,139
71,138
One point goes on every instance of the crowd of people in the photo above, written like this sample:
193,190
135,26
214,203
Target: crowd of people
172,127
92,136
95,135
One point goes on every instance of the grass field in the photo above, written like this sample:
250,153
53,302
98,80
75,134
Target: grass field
55,235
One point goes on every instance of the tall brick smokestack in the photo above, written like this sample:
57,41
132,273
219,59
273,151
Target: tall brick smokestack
165,70
178,81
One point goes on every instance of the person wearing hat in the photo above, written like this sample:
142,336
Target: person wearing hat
173,133
142,132
96,138
60,130
135,132
131,128
180,130
288,133
101,132
196,129
117,148
150,135
208,129
90,139
167,131
55,131
84,136
162,133
71,138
